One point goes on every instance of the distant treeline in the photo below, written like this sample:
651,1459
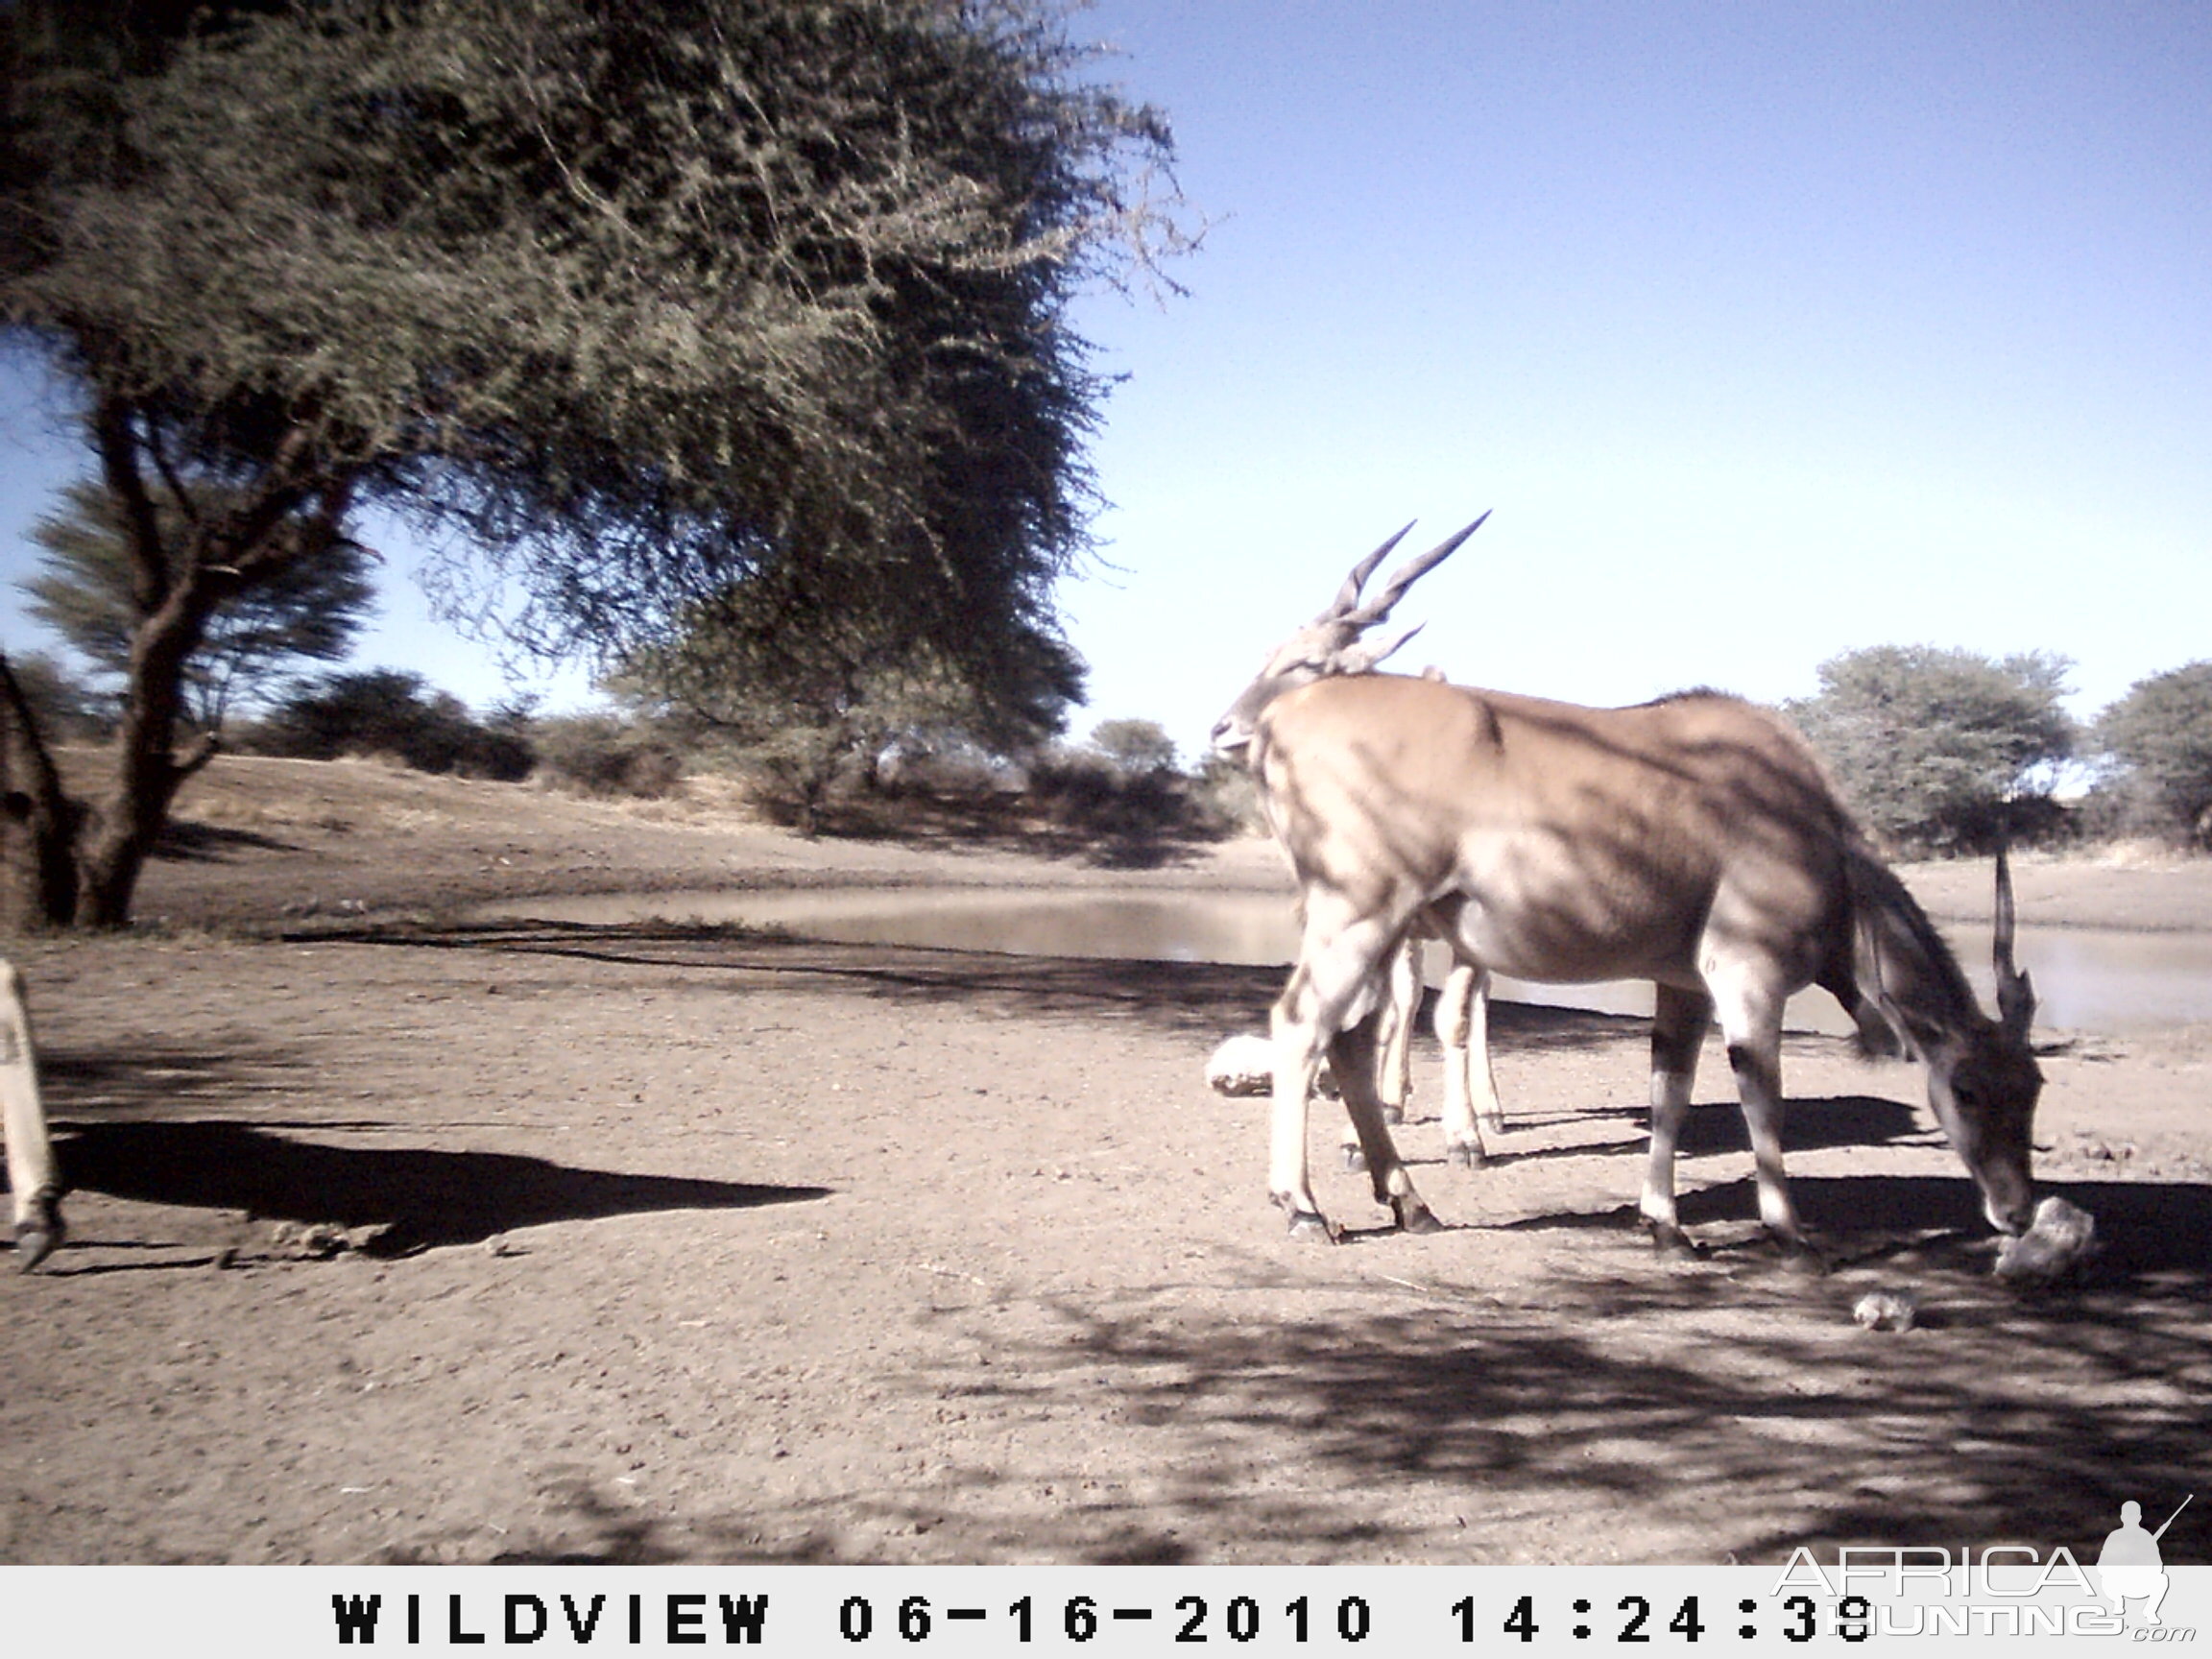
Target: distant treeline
1937,751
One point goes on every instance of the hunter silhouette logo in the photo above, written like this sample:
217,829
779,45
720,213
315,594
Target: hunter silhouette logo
2129,1567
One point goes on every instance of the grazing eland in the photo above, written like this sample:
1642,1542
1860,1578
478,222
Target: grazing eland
32,1186
1695,842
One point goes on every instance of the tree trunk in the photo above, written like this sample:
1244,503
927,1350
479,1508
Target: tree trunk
38,823
61,865
115,849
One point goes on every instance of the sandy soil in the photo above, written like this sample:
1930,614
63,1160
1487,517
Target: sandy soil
399,1240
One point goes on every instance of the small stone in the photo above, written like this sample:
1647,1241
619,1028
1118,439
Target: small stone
1886,1310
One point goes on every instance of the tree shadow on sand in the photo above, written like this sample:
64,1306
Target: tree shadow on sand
2028,1419
1732,1416
1201,1000
1742,1410
141,1079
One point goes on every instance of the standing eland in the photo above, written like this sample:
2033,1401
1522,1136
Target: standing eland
1695,842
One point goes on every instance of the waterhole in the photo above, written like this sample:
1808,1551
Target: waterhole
2086,978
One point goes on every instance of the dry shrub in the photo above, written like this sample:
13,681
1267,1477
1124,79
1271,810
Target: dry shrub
600,755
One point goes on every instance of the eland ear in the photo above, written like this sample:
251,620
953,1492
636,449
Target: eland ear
1364,655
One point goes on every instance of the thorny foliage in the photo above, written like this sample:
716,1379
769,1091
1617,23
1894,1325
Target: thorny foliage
625,307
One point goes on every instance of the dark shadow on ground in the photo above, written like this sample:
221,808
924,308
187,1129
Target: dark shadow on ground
2144,1228
423,1197
1744,1416
183,839
1208,1001
1811,1122
1810,1125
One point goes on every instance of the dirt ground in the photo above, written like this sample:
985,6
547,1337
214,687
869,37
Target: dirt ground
397,1239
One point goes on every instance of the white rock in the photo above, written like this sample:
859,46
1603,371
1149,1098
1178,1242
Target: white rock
1242,1066
1886,1310
2061,1238
1246,1066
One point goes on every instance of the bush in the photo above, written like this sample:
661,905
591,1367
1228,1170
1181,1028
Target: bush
389,713
1134,748
1087,791
1940,751
2159,740
603,755
1227,797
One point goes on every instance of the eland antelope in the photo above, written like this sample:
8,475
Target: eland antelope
32,1184
1695,842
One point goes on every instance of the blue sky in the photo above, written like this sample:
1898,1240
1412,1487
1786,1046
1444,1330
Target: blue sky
1767,330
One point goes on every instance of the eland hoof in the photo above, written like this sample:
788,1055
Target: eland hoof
1415,1216
1670,1243
36,1235
1466,1157
1393,1114
1311,1227
1354,1160
1800,1259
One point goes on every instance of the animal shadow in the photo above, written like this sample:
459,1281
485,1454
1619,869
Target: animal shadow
2143,1227
421,1197
1816,1122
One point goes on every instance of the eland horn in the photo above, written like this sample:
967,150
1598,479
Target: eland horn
2016,991
1347,598
1406,574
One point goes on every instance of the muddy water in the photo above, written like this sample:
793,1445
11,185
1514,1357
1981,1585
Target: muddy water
2090,980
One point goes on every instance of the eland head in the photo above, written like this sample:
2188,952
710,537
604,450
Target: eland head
1982,1086
1335,643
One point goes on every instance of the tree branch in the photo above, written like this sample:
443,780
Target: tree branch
205,748
118,445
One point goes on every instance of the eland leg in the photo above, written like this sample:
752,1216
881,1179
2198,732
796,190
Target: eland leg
1334,985
1394,1072
32,1183
1394,1048
1751,1014
1352,1053
1678,1022
1470,1095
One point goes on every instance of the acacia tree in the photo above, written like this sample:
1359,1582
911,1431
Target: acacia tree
1935,747
1137,748
809,703
311,607
622,305
2160,733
